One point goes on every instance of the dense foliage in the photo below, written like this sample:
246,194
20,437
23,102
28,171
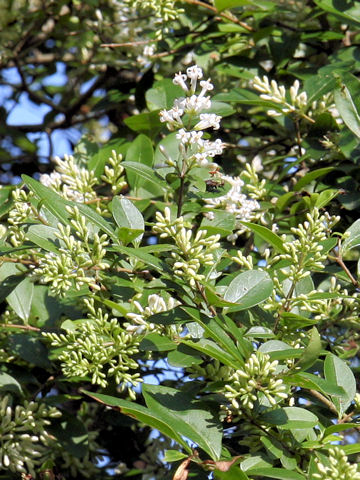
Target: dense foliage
181,300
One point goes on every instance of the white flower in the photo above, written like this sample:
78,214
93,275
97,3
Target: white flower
194,73
234,201
180,79
205,85
208,120
195,104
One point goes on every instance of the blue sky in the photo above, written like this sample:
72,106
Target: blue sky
25,112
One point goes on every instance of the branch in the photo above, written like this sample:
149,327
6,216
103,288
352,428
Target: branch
230,17
324,400
34,96
22,327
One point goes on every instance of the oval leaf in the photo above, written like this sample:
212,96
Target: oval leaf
249,288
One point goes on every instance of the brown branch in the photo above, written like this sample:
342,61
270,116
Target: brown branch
33,95
22,327
347,417
230,17
17,260
324,400
202,293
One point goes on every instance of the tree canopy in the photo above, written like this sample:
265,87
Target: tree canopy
180,295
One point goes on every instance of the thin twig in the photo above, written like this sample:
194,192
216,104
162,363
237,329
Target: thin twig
230,17
202,293
17,260
21,327
324,400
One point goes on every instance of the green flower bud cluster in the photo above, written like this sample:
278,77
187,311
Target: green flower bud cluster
79,261
338,469
292,102
19,214
164,11
192,252
141,323
75,182
304,254
98,347
24,440
213,371
255,187
255,382
113,173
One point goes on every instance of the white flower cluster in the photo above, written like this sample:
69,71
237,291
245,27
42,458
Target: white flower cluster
189,110
71,180
234,201
156,304
256,379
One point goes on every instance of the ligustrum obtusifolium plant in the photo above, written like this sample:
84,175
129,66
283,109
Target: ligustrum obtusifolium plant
211,311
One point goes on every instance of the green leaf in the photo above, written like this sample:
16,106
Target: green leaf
353,239
184,356
162,95
127,217
210,348
99,157
267,235
43,236
311,176
154,342
278,350
311,352
190,418
234,473
72,435
148,123
313,382
9,384
289,418
277,473
225,4
141,151
145,172
148,259
249,288
50,199
337,372
30,349
220,108
143,415
11,279
277,450
350,449
223,223
345,11
21,297
215,331
173,456
346,101
294,321
57,206
339,427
